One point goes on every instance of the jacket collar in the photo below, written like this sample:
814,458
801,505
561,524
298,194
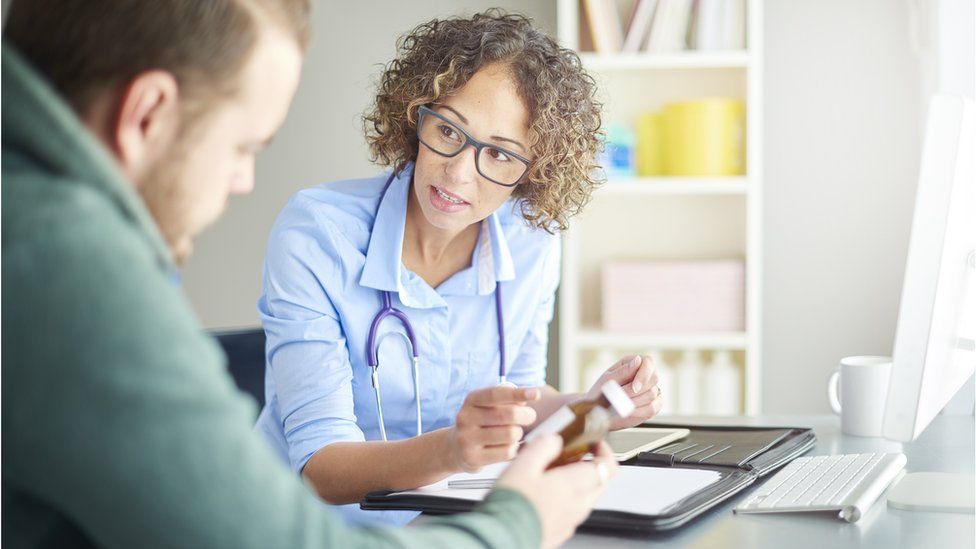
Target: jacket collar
40,125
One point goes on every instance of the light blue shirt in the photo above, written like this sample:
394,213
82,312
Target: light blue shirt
332,251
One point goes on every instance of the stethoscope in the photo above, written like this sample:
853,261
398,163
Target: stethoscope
410,341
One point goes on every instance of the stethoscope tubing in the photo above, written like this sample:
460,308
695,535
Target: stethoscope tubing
387,310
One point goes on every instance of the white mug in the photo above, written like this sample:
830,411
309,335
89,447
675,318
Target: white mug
862,382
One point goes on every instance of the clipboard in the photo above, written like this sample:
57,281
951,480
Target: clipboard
754,453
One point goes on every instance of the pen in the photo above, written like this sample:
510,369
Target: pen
651,458
472,484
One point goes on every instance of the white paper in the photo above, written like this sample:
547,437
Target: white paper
639,490
651,490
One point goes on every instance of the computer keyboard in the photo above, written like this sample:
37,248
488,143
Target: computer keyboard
847,483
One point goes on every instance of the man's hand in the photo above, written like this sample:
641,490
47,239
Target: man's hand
489,426
562,496
636,374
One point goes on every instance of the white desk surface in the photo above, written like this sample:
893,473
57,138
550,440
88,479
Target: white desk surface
947,445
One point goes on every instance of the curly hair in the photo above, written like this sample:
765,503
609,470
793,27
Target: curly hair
437,59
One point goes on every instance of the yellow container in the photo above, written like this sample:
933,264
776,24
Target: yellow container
705,137
650,144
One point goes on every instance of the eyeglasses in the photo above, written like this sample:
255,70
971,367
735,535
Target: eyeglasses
446,138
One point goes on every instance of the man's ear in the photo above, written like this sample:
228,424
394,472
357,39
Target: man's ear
146,121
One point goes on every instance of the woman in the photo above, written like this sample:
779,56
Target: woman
492,130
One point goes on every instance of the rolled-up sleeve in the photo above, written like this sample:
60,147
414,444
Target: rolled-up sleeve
529,367
307,356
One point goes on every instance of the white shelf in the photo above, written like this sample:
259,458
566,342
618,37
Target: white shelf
600,339
698,217
681,60
641,186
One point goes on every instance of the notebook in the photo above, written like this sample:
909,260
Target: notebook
628,491
654,491
627,443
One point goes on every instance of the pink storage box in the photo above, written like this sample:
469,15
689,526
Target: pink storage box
674,296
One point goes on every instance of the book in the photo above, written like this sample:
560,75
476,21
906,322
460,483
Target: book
639,25
605,27
678,29
720,25
670,26
734,31
708,25
691,38
658,26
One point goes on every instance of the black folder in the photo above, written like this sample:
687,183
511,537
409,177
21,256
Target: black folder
740,455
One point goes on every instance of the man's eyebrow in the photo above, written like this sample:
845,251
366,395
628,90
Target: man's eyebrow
495,137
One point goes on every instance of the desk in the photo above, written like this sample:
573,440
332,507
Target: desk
947,445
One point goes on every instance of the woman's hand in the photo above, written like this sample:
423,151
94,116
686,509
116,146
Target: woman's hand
637,376
489,426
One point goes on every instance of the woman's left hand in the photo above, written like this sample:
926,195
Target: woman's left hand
637,375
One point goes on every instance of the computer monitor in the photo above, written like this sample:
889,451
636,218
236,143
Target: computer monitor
935,347
932,356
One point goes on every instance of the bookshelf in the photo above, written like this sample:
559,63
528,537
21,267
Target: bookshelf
666,61
666,217
642,186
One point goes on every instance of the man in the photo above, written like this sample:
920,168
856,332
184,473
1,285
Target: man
126,126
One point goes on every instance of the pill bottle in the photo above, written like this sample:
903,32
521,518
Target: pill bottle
584,423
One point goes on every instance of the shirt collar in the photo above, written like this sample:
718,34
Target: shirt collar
494,260
384,270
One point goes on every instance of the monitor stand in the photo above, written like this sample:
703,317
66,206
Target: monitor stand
941,492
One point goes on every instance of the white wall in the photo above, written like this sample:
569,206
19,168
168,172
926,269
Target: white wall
842,148
320,141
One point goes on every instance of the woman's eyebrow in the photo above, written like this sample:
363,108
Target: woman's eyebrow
455,111
464,120
512,141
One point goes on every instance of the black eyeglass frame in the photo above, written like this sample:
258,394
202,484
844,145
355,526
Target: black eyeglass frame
478,146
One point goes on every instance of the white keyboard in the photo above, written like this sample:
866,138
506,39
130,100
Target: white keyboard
847,483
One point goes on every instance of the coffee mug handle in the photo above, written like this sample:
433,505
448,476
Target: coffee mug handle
833,387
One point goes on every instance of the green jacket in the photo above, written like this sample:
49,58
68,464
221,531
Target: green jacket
121,426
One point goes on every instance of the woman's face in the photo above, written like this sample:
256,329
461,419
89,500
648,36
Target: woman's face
451,193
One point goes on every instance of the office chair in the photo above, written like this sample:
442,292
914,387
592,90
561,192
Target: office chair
245,359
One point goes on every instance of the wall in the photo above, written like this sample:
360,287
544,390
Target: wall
842,151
